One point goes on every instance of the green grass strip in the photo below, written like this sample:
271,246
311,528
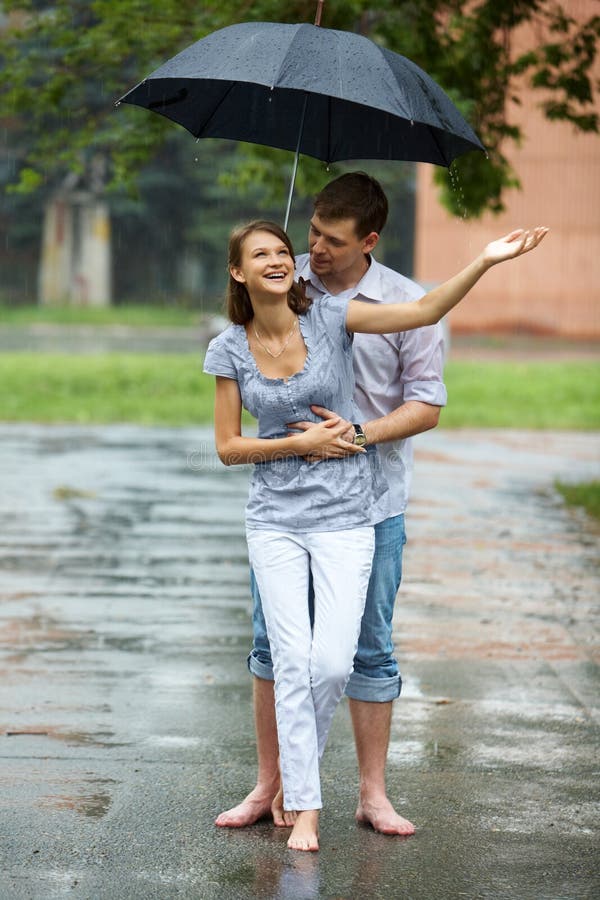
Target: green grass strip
170,389
585,495
540,395
146,389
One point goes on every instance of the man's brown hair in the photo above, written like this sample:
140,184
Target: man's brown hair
357,196
237,301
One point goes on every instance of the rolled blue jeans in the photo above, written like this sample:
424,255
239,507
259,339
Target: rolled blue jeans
376,676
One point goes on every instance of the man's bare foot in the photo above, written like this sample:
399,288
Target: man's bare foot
305,833
283,818
382,816
257,805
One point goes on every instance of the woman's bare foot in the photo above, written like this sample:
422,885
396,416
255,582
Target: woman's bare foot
305,833
283,818
257,805
382,816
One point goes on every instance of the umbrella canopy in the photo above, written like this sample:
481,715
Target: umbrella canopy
329,94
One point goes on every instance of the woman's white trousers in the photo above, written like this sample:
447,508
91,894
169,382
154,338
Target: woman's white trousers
311,665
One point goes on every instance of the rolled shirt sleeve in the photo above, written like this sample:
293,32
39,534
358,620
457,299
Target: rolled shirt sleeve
421,356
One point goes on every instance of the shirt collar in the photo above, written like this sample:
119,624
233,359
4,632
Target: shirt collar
368,288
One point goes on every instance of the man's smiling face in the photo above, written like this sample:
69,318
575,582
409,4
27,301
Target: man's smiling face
335,250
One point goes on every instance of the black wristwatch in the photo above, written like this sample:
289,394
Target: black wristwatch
360,438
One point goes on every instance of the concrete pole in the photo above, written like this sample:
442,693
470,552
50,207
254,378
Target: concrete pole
76,251
55,267
91,284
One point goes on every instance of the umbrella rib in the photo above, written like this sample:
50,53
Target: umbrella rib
433,132
275,82
214,110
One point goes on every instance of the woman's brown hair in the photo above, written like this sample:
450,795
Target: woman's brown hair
237,301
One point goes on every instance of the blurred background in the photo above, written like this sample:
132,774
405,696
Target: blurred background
103,206
114,221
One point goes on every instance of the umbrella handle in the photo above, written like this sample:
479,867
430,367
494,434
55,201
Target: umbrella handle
295,169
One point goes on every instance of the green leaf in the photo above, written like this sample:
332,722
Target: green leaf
29,180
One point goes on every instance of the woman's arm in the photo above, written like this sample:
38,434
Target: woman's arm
383,318
234,449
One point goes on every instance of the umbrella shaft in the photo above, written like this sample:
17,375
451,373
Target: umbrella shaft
319,11
295,169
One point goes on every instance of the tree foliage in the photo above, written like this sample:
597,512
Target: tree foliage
64,63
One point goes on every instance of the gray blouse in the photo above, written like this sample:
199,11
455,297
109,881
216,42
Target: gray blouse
292,494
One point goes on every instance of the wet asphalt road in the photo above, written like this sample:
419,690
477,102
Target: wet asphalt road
125,718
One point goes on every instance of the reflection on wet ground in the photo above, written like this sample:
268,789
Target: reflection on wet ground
125,704
91,804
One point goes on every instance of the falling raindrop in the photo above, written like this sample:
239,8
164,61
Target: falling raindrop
457,189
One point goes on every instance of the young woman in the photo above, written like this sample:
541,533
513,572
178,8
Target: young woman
280,355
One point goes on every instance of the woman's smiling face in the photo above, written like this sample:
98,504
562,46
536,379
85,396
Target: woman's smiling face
266,266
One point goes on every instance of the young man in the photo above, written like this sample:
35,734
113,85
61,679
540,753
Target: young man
399,390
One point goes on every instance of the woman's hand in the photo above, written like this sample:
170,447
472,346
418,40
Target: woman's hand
512,245
325,440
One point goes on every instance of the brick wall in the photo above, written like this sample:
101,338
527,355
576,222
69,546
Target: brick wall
556,290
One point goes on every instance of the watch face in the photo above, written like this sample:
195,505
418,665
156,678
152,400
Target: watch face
360,438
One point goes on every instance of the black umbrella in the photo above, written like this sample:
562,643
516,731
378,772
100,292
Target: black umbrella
328,94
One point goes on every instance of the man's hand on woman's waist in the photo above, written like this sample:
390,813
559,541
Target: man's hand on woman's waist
335,444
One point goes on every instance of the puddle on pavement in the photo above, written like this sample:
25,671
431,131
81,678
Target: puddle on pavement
54,732
269,877
472,644
40,632
527,748
173,740
18,595
93,804
570,816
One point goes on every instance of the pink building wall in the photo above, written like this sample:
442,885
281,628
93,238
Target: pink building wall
555,290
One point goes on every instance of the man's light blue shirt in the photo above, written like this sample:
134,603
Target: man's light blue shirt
390,369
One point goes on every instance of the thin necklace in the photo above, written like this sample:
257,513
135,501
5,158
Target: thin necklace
285,343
